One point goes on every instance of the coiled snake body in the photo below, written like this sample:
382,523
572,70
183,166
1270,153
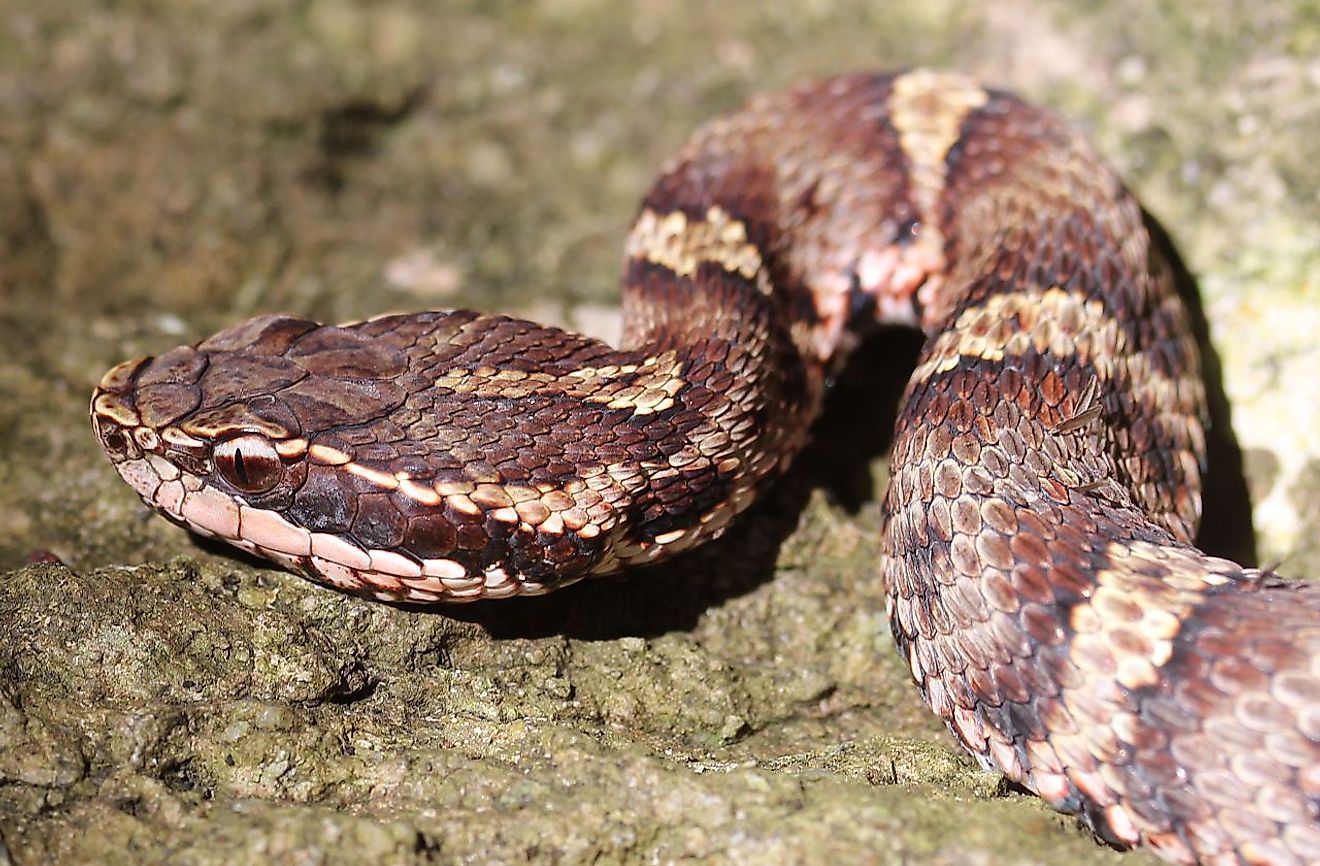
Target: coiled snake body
1045,475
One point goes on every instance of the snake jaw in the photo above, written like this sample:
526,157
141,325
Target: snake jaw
197,503
151,466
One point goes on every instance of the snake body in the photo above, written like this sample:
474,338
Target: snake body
1045,476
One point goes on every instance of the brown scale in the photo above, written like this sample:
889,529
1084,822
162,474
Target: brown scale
1045,477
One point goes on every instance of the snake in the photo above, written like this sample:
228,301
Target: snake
1042,583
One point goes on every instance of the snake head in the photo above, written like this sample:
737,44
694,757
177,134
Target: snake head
365,457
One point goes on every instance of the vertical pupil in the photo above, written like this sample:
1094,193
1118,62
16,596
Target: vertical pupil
249,462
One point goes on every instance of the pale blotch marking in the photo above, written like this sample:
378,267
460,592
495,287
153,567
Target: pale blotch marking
461,503
291,449
1125,631
494,496
927,109
383,480
213,425
1132,619
682,245
1062,323
644,388
505,515
453,488
327,456
116,410
658,380
176,438
419,493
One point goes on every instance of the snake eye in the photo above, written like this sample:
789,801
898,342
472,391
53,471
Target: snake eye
249,462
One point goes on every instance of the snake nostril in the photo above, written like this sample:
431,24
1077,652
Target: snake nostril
114,441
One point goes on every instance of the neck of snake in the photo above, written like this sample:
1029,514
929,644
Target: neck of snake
745,395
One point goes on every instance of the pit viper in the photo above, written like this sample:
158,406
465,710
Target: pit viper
1044,481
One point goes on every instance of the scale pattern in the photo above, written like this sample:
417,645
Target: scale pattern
1045,477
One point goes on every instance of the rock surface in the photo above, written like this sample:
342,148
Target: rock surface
167,169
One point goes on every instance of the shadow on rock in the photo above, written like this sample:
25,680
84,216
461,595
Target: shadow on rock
856,428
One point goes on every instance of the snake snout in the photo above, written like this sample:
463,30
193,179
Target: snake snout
114,415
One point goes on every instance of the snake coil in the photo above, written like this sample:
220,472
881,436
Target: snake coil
1045,476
